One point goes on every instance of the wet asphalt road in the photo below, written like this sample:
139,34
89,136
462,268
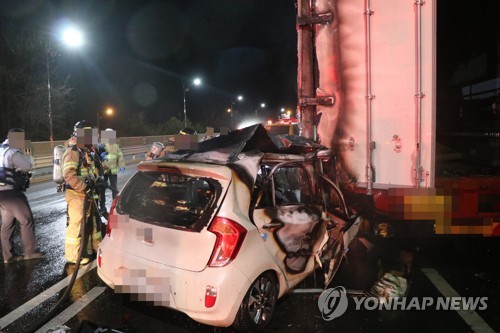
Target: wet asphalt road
469,264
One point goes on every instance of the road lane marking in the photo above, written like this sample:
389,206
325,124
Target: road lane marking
42,297
471,318
73,309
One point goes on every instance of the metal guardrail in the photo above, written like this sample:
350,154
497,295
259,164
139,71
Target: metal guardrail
134,149
42,154
129,153
44,164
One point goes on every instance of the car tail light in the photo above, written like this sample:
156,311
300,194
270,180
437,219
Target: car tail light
210,296
230,236
112,217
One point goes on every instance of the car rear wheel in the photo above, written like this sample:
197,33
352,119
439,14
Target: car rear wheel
257,308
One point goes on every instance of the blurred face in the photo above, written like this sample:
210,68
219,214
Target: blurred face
108,137
16,140
189,142
86,137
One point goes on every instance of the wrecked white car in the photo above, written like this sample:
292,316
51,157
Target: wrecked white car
221,233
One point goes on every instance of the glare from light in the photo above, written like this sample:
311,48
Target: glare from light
72,37
109,111
248,122
229,110
240,98
197,81
262,105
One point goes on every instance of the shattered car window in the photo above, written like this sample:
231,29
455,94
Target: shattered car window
332,199
291,187
266,199
167,199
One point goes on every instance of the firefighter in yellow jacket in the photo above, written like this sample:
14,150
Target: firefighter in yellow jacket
113,160
80,179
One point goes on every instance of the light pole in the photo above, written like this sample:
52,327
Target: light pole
71,37
232,121
262,105
108,112
196,82
51,136
282,113
231,110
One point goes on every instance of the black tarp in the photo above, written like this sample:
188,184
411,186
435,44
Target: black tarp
225,149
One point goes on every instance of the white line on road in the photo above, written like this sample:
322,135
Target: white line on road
42,297
72,310
476,323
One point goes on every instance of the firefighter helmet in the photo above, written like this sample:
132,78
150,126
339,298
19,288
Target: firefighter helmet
82,124
187,131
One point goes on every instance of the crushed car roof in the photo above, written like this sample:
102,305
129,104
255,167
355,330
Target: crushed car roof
225,149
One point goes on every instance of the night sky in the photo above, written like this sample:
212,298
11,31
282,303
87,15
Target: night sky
139,53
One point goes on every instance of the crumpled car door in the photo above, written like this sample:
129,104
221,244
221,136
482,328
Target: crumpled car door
288,214
342,227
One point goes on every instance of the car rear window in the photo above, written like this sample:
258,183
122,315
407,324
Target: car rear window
167,199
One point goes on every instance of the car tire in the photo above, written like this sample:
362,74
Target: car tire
258,306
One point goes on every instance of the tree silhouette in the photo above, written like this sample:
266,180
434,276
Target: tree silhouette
27,60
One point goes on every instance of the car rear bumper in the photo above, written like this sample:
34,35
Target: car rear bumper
177,289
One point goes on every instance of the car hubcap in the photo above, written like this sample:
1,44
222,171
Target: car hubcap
261,301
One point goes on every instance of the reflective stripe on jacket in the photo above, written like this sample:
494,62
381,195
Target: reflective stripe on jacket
74,171
115,158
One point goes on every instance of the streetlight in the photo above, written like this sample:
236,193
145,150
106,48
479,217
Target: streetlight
108,112
262,105
231,110
282,113
71,37
196,82
232,121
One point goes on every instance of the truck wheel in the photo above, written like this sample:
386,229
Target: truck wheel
257,308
